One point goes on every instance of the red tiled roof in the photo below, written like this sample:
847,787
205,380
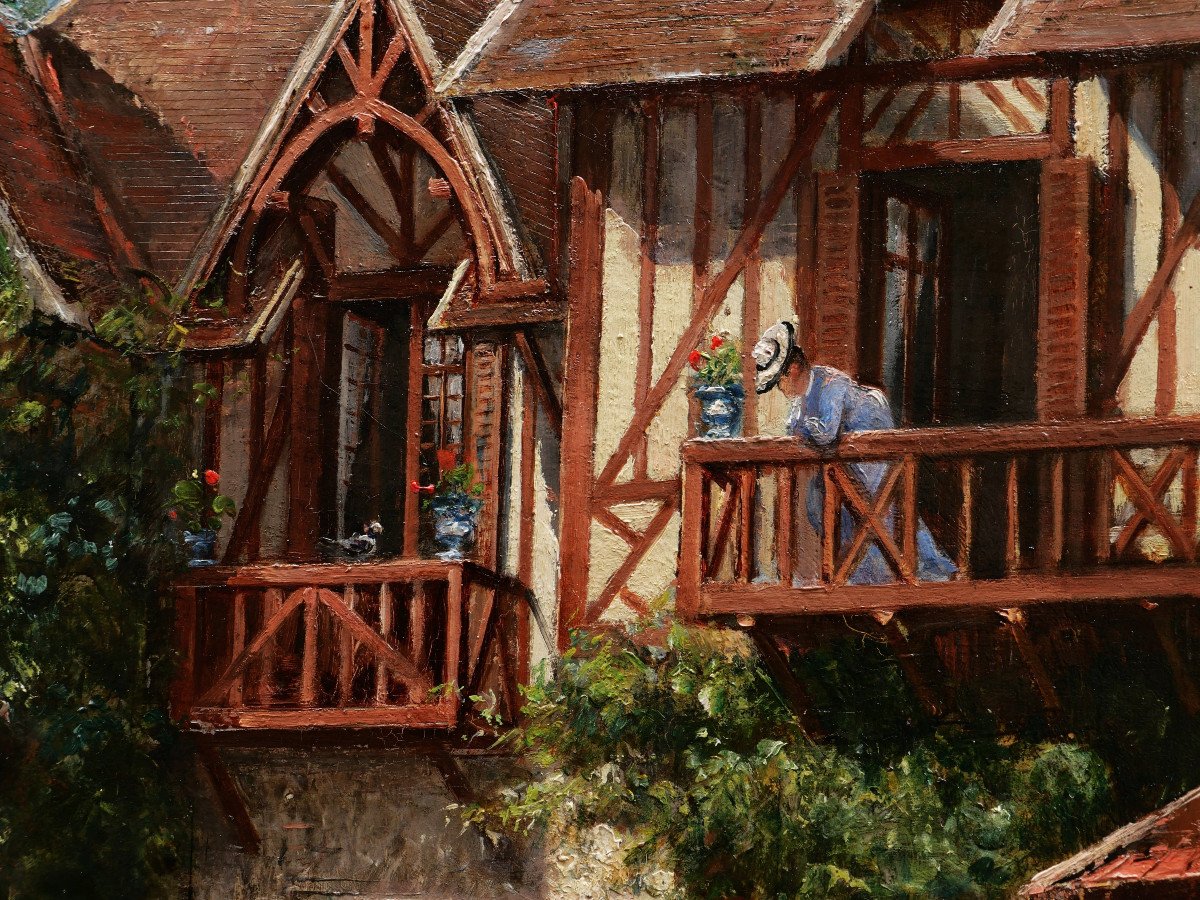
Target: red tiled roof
166,98
450,23
1063,26
1163,847
557,44
40,177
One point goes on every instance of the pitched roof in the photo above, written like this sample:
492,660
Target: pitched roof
1065,26
1164,847
41,178
167,97
555,44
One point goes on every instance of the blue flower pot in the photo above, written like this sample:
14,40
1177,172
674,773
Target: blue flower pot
203,547
454,517
721,410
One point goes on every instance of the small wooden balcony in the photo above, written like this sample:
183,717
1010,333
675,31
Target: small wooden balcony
1102,510
393,644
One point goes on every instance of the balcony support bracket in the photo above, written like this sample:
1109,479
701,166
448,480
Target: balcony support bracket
229,797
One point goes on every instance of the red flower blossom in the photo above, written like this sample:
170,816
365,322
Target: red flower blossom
717,341
211,478
695,359
173,515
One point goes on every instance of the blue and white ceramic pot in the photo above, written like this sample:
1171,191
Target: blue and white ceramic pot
454,517
202,545
721,410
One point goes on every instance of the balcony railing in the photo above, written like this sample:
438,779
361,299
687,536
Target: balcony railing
394,644
1102,509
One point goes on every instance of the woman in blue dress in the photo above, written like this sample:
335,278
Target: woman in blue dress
827,403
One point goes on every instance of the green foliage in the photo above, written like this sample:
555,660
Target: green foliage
679,738
719,366
197,504
89,437
459,480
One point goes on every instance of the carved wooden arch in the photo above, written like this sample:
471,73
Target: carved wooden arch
365,109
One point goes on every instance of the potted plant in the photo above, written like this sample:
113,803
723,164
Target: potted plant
201,508
455,505
718,387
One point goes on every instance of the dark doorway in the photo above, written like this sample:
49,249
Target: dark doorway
949,324
949,318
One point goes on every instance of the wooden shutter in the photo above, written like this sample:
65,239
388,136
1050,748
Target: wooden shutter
485,438
1063,289
835,312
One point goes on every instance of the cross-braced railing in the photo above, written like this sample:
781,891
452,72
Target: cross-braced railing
398,644
994,515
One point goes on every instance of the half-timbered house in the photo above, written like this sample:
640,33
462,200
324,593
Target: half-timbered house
413,231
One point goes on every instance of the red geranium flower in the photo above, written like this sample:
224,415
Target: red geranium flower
173,515
211,478
695,359
717,341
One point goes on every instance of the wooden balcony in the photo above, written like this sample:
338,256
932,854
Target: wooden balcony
392,644
1100,510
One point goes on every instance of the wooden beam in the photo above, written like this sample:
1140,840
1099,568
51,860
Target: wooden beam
230,798
390,284
581,383
442,715
715,291
1137,323
247,524
618,578
906,657
792,689
1015,618
1181,675
397,245
991,149
505,314
1107,585
946,443
537,373
648,269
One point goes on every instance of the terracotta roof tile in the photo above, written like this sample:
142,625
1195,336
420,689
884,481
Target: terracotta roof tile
556,44
450,23
1061,26
41,179
166,97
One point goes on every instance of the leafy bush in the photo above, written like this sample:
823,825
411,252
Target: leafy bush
679,738
88,447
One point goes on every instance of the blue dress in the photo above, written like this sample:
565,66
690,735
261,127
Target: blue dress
833,405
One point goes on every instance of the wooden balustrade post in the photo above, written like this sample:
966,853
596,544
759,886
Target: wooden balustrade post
691,544
1104,484
348,648
1050,545
237,643
829,518
418,617
909,536
1012,546
183,688
308,664
1188,474
454,633
785,537
272,601
745,547
966,474
386,611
